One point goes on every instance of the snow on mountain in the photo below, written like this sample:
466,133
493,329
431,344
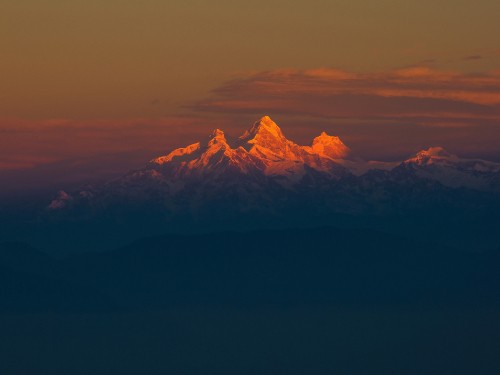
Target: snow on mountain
178,153
450,170
329,146
439,156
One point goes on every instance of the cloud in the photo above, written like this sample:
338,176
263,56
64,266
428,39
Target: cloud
419,94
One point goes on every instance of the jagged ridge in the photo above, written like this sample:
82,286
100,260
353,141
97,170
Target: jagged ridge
262,148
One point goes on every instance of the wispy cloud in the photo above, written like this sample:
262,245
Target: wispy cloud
419,94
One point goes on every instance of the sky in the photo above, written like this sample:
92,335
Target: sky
90,89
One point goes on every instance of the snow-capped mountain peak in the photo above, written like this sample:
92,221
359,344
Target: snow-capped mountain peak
329,146
265,138
217,139
438,156
433,155
450,170
262,129
262,147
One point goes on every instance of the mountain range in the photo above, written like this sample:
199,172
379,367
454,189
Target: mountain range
262,169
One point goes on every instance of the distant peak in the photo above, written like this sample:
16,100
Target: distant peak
330,146
266,120
217,133
432,153
217,138
435,151
267,123
264,126
324,137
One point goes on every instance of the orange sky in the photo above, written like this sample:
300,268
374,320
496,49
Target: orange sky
122,81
